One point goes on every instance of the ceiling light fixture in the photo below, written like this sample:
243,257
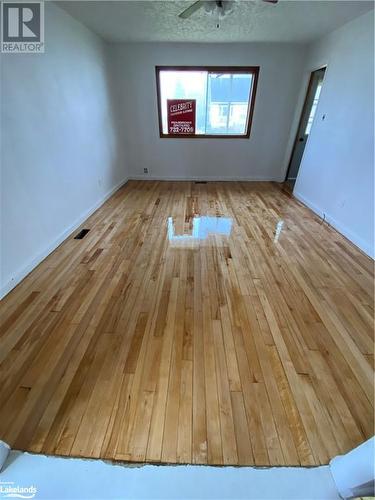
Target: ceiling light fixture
219,9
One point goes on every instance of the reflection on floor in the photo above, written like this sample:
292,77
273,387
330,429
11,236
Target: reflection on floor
248,343
200,228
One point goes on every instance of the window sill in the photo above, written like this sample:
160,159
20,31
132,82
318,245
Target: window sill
204,136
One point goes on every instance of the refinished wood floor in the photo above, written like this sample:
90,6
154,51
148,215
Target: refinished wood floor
218,323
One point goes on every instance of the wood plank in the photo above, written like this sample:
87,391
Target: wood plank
253,347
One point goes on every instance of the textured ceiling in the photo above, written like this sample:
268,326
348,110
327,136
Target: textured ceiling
251,21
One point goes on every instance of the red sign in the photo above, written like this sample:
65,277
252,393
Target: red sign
181,116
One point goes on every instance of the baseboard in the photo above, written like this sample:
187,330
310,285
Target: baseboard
203,178
354,238
5,289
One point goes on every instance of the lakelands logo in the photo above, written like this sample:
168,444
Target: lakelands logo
11,490
22,27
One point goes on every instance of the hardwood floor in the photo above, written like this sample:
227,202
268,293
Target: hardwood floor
218,323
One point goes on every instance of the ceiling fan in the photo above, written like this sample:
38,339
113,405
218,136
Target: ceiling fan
222,7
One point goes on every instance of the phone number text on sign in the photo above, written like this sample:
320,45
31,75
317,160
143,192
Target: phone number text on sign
181,116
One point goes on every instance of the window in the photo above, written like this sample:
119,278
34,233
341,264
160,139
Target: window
205,101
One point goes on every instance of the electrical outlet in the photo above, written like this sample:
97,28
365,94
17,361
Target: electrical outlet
145,170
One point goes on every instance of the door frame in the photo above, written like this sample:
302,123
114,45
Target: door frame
323,66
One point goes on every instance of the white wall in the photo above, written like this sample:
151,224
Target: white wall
60,154
263,156
336,177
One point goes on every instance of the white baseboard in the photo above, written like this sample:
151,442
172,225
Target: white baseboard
13,282
202,178
367,248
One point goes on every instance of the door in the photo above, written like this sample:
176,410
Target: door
306,121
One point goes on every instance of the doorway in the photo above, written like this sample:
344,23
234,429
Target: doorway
305,124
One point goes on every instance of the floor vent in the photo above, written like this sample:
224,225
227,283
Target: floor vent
200,182
81,234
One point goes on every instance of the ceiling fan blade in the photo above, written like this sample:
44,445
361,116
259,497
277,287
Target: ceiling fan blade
270,1
190,10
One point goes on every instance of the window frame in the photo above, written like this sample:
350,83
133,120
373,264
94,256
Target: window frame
254,70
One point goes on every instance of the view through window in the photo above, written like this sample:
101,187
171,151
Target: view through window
224,99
